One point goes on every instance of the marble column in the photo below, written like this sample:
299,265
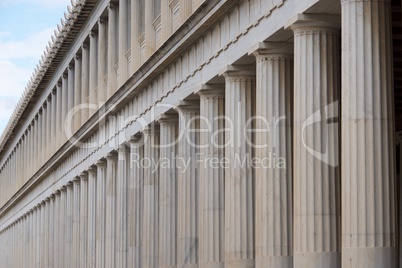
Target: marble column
71,84
101,214
136,26
121,206
68,232
112,51
150,34
62,227
92,214
82,200
57,229
168,191
93,70
166,20
111,172
368,146
48,130
188,186
76,236
150,225
64,107
77,91
85,70
124,37
239,177
51,243
136,203
274,181
212,176
316,142
54,122
41,234
185,9
102,60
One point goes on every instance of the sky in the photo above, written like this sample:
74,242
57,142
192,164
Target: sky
26,27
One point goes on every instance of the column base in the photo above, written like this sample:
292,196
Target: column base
275,262
212,265
247,263
369,257
318,260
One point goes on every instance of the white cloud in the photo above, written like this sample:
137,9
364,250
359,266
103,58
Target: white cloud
13,79
43,3
30,47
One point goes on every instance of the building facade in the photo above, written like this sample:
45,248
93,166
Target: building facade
209,133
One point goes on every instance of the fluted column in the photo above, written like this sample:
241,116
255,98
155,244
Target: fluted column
166,20
57,228
93,70
274,182
151,199
53,122
150,35
68,232
71,84
51,243
239,179
185,9
82,200
316,142
124,36
188,185
111,172
102,60
41,235
77,90
92,205
64,104
47,138
112,51
76,236
168,192
85,82
101,214
212,177
136,21
368,154
121,206
136,202
62,227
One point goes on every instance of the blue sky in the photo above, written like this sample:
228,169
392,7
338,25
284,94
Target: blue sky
26,27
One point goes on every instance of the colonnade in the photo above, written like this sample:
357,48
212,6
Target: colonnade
109,55
327,198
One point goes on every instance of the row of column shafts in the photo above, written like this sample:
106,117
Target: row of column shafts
307,213
117,46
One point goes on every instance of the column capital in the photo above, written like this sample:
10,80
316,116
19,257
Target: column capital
102,20
238,71
83,175
210,90
93,33
272,48
101,163
311,21
151,129
92,169
71,65
77,57
123,149
135,139
111,156
168,119
187,105
84,46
